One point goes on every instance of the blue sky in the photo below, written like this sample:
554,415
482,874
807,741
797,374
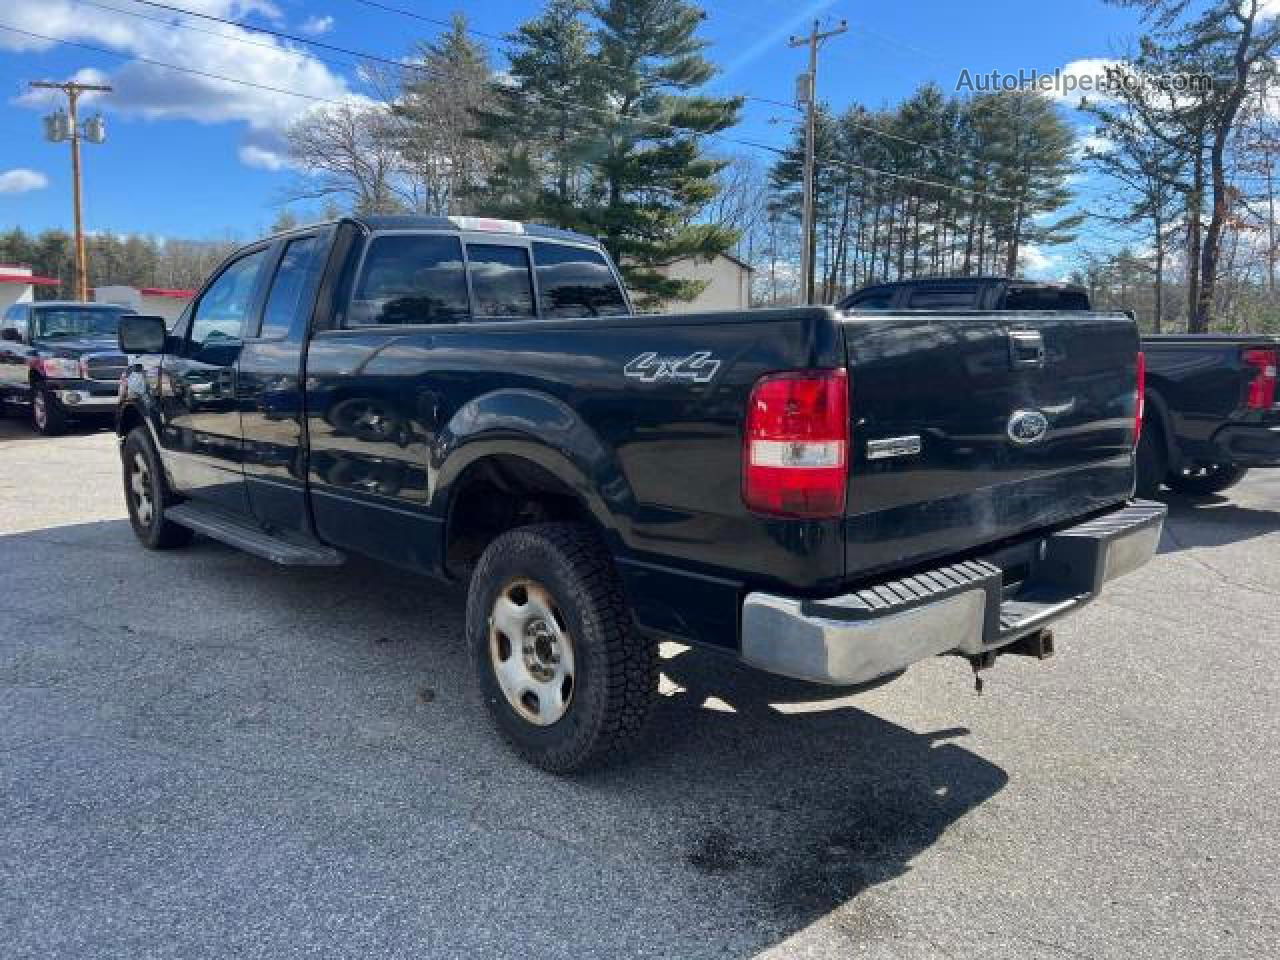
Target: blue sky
192,157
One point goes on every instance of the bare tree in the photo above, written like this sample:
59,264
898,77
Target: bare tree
344,151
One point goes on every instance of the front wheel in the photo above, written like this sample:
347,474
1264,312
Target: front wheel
47,416
147,494
1203,479
562,670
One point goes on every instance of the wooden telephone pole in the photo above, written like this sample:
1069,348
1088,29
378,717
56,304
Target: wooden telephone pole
73,92
808,88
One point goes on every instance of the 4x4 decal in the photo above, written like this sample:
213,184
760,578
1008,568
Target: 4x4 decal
698,367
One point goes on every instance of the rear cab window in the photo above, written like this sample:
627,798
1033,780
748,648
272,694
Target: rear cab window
1046,298
944,298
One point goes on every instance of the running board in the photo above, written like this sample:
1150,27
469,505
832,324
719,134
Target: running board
252,540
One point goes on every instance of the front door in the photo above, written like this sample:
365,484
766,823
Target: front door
200,417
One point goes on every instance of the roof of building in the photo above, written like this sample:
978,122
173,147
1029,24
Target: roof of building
28,279
175,292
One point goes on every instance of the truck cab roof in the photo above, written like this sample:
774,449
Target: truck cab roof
378,223
971,293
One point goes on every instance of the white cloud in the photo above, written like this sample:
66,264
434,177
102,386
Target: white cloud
262,158
1092,145
155,93
22,180
1034,260
316,25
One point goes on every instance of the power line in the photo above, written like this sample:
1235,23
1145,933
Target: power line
737,141
363,55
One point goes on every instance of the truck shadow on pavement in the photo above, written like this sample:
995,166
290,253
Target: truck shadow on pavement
755,807
1213,522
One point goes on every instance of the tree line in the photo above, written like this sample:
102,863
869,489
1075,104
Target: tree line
598,121
133,259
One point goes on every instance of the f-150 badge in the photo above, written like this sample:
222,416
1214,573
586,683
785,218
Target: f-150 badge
698,367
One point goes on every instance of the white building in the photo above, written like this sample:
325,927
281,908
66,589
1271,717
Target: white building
153,301
728,282
18,285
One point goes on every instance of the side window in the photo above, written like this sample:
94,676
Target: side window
881,298
11,325
290,287
944,298
576,282
500,280
221,312
410,278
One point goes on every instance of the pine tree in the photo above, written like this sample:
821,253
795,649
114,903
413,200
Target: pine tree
651,173
542,121
434,117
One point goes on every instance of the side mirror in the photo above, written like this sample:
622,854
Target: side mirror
142,334
9,333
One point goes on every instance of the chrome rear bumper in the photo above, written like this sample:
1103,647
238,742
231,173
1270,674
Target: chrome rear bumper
960,608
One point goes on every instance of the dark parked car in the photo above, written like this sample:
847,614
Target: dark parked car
60,360
828,497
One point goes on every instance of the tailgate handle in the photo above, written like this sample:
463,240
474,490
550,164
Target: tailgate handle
1026,348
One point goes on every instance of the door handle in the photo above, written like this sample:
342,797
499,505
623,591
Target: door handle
1026,349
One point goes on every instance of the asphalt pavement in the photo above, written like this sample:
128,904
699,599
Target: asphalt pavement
204,755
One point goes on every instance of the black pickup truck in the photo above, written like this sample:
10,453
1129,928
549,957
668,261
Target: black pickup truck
60,360
1212,411
1211,403
827,497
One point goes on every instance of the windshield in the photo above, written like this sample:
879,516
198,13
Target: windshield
55,322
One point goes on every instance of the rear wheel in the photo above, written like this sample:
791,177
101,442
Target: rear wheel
1203,479
147,494
47,416
1151,461
565,676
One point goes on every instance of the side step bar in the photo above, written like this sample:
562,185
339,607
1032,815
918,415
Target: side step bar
252,540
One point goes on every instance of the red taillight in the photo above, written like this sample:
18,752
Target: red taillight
797,444
1140,407
1262,389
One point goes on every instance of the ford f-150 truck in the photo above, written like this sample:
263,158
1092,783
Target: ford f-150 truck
59,359
829,497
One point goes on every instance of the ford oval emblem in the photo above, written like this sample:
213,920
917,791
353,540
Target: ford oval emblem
1027,427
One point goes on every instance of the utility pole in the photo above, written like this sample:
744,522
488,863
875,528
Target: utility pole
807,88
67,127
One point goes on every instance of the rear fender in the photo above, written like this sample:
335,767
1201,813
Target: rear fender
546,432
1158,411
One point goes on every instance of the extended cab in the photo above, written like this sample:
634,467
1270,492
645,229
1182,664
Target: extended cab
825,496
60,359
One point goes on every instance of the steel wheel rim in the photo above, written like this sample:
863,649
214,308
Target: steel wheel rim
38,409
140,489
531,652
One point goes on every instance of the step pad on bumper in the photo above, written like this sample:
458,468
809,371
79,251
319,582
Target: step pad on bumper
959,608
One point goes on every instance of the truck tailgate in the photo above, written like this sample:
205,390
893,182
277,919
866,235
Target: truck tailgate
971,428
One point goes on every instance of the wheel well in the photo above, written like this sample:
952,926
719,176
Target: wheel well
498,494
128,420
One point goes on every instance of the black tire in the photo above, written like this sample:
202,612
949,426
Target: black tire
48,418
1151,461
149,525
1205,479
615,670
